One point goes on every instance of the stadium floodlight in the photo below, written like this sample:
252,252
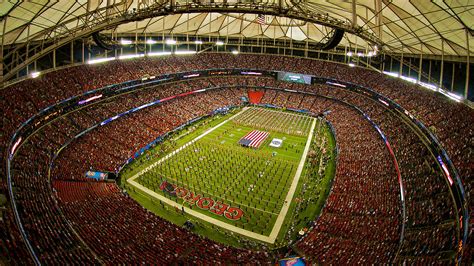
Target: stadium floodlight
129,56
349,54
159,53
428,86
35,74
220,43
351,65
100,60
198,42
170,42
370,54
184,52
235,52
125,42
150,41
451,95
412,80
360,54
455,96
393,74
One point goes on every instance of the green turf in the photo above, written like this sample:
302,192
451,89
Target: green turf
216,166
254,180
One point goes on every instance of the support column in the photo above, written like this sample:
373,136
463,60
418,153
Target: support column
442,64
452,78
401,64
383,63
72,52
409,67
27,54
145,45
17,62
466,88
345,54
54,58
306,49
420,66
3,23
391,64
136,37
83,52
429,72
28,49
1,67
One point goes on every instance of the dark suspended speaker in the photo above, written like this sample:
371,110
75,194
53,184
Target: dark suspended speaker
104,42
334,40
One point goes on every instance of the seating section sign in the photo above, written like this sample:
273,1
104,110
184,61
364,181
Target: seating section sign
96,175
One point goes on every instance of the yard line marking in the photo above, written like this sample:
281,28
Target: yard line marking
294,184
184,146
235,202
201,216
281,216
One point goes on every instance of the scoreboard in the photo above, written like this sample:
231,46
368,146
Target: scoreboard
294,77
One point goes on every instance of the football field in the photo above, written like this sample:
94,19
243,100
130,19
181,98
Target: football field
217,177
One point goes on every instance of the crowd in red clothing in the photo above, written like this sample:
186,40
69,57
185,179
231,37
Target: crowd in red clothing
428,203
118,229
106,149
363,209
365,187
437,111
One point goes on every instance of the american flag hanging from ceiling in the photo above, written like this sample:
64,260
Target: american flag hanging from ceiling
261,19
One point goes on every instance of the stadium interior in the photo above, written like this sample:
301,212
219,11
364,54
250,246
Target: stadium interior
236,132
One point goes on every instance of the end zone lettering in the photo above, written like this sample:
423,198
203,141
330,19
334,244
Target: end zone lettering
204,203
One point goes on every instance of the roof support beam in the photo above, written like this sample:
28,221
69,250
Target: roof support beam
102,22
354,13
378,18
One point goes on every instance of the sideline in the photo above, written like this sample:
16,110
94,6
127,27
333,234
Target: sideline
294,184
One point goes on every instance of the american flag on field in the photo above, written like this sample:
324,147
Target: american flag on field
254,138
261,19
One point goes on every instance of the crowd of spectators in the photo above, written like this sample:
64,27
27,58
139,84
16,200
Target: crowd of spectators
362,215
427,198
105,149
121,231
365,187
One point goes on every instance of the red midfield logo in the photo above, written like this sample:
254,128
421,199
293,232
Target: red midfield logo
205,203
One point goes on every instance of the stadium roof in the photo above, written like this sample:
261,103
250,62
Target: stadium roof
416,25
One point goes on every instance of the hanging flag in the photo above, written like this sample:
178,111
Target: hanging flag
261,19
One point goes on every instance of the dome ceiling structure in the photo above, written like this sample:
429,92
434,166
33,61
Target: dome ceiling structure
416,25
432,27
